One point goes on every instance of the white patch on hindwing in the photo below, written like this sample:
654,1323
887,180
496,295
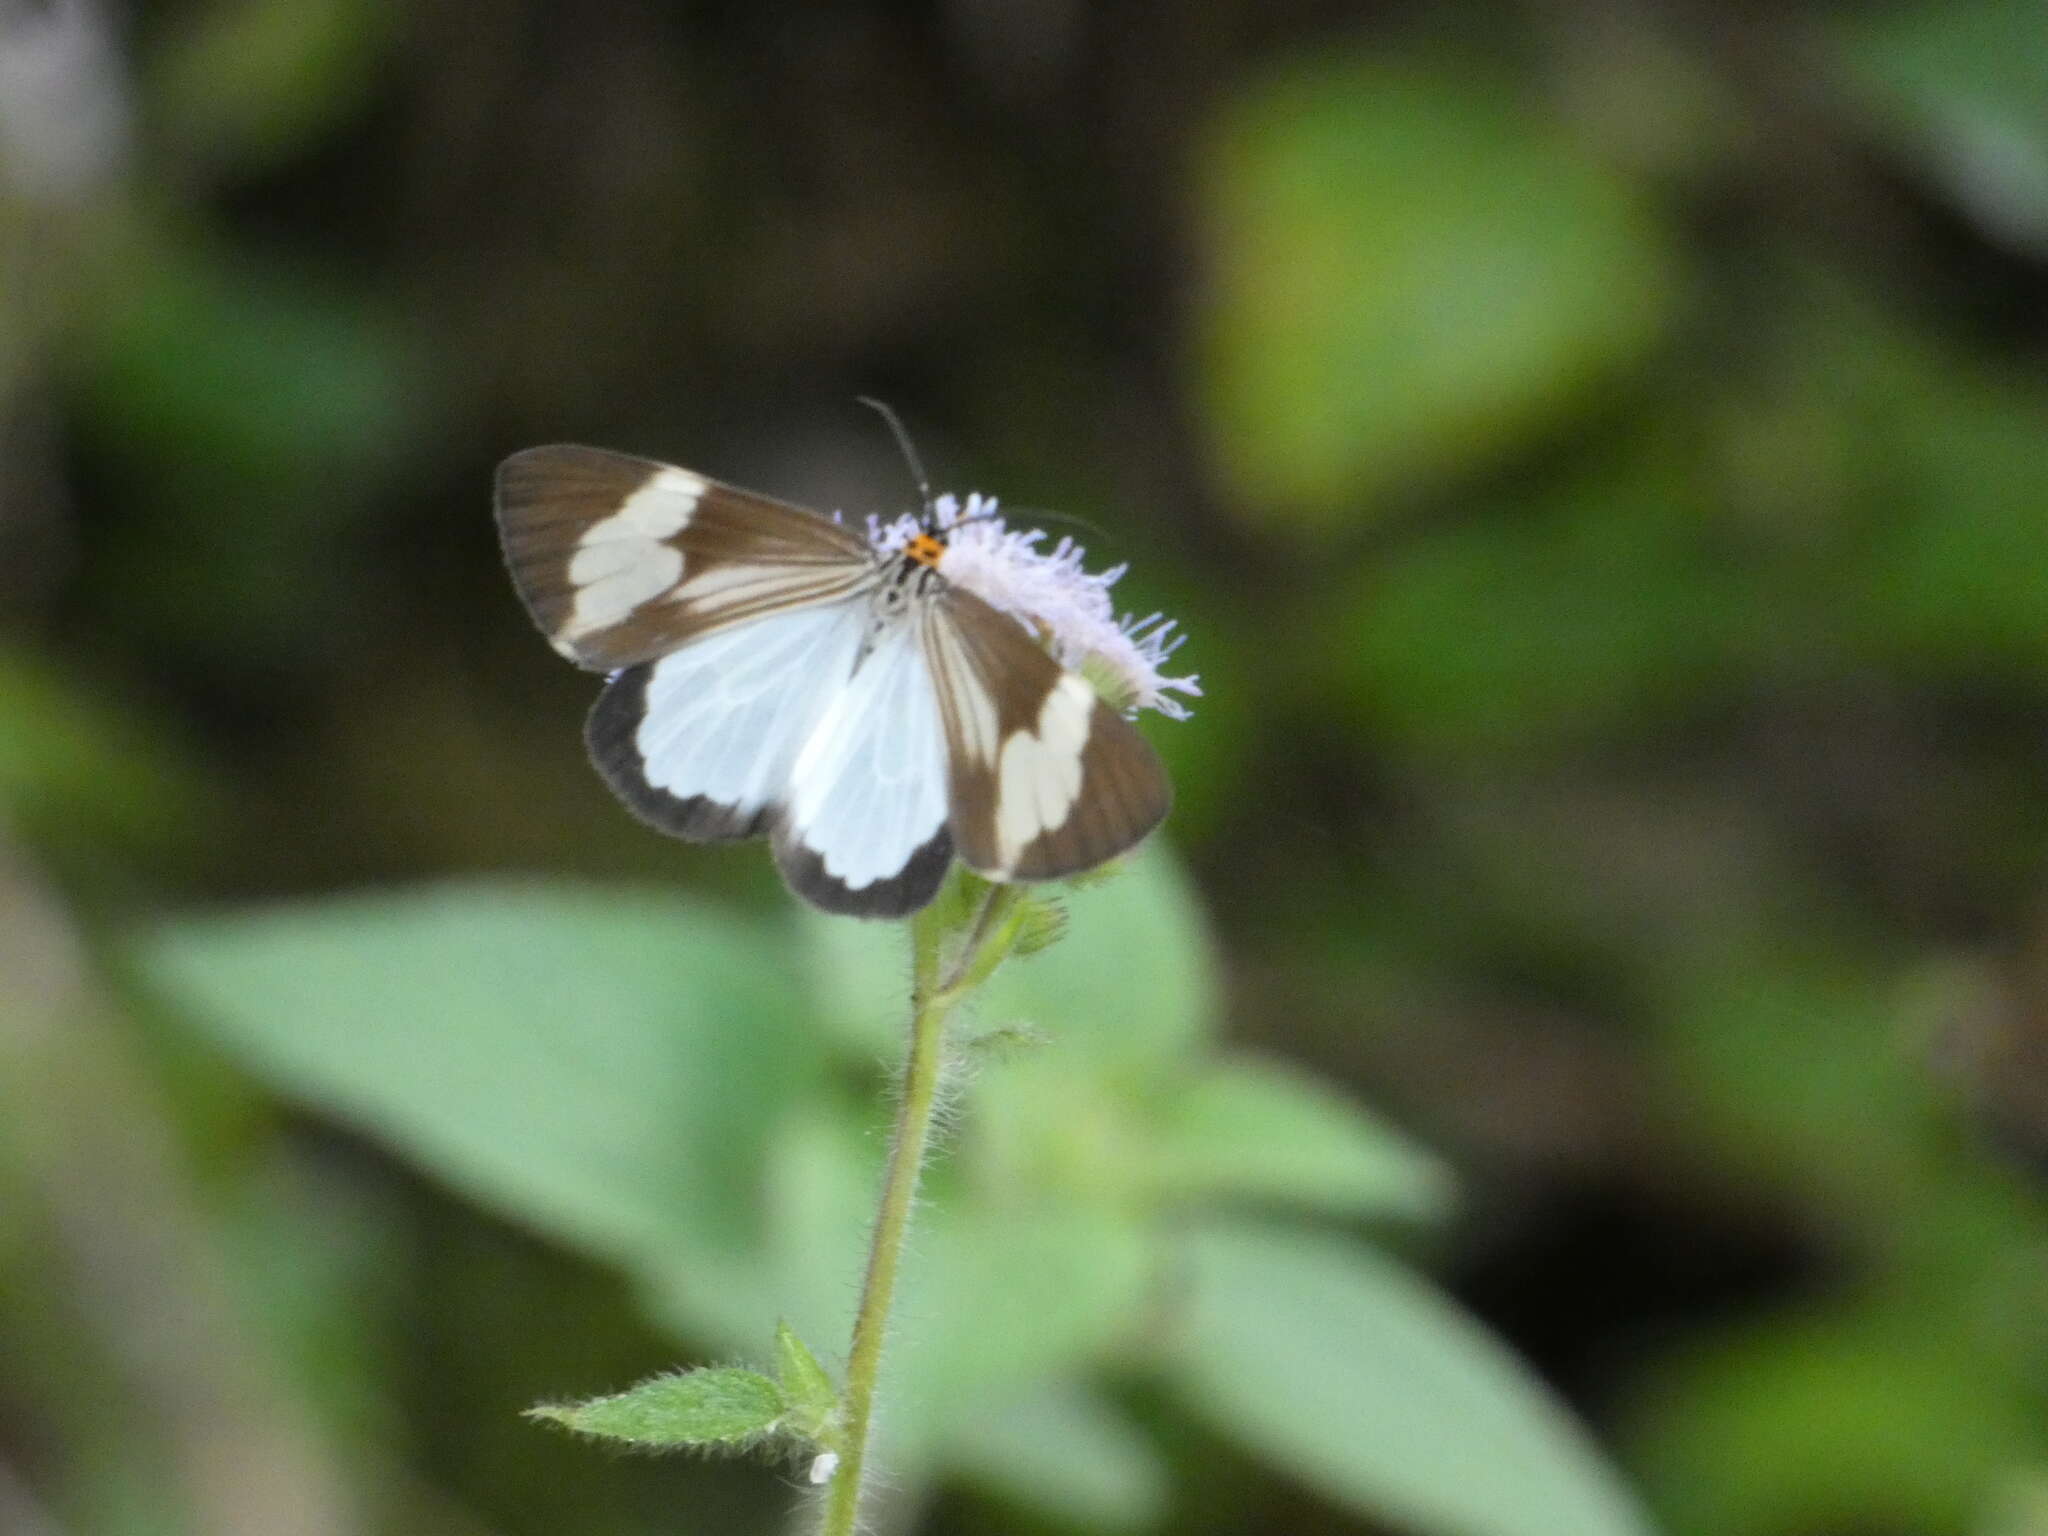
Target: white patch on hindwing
727,714
1038,778
869,788
624,560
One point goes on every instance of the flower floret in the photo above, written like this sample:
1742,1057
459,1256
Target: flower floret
1051,590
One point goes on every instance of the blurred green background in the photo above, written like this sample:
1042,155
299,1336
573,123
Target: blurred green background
1599,449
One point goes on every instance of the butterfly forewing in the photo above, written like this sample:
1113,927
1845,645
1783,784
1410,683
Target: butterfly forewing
1045,778
621,560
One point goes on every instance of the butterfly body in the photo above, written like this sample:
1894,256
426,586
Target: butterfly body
772,673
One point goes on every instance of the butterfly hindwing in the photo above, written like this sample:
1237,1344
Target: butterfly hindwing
810,725
621,560
864,827
701,742
1046,779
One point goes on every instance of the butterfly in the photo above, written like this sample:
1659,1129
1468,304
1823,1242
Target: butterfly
771,672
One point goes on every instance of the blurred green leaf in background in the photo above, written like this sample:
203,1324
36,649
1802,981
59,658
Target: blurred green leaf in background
1413,278
623,1034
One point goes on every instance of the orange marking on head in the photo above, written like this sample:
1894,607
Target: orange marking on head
925,550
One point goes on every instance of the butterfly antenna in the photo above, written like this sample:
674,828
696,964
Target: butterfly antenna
924,484
1040,515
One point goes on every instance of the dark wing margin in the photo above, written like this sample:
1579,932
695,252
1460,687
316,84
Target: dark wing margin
612,736
1125,793
1046,779
620,559
898,896
610,733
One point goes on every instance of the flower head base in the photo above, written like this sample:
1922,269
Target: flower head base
1067,606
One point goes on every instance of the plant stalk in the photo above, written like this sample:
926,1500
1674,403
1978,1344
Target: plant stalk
933,997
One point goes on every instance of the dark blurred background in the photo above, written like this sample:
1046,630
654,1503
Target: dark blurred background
1598,449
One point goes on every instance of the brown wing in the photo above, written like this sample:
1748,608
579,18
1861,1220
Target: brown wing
621,560
1045,778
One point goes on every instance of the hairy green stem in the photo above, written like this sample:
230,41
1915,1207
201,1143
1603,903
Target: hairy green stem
934,992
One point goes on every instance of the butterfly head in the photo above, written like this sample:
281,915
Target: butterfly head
925,549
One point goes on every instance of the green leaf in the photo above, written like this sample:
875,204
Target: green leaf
996,1293
604,1065
1946,588
813,1398
77,766
2020,1507
1005,1295
1041,923
248,410
1835,1421
234,372
1412,276
722,1405
1343,1368
1133,982
816,1199
1589,610
1959,84
322,1261
1061,1450
1257,1129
